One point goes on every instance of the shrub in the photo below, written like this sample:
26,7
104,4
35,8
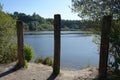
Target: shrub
115,77
40,60
114,39
25,64
8,47
48,61
10,55
28,51
45,61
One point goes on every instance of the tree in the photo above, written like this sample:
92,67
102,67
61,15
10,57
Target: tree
0,7
65,29
96,10
114,38
46,26
104,46
38,18
8,50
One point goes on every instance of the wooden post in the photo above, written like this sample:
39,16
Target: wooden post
104,47
19,26
57,23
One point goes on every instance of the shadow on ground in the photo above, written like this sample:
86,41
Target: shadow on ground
52,77
9,71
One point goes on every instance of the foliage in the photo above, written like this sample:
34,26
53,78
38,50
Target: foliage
65,29
116,26
96,9
28,51
37,23
32,22
8,48
71,24
115,77
0,7
26,26
25,64
115,50
46,61
10,55
114,39
45,26
40,60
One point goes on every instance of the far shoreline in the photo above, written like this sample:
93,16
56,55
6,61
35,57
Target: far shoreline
52,32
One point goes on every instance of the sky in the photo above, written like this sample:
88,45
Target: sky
45,8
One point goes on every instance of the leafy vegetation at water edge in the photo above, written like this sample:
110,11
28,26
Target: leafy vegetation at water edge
46,61
29,53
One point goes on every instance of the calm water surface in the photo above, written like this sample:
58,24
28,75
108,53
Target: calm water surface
77,48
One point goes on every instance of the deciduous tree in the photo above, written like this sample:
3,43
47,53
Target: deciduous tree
7,32
96,10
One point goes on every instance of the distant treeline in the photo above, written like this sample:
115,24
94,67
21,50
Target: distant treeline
35,22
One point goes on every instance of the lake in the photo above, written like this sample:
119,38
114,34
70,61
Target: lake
77,48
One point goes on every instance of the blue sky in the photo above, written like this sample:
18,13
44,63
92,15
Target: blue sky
45,8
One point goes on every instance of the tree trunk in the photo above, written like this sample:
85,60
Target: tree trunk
104,47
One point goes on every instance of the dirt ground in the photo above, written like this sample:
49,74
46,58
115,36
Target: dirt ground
43,72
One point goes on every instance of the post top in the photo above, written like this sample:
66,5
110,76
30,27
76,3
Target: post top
19,21
57,15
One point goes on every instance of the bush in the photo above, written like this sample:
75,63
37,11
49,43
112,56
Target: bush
8,49
48,61
114,39
45,61
40,60
28,51
10,55
25,64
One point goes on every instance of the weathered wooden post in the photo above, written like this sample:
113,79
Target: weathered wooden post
19,26
106,28
57,23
